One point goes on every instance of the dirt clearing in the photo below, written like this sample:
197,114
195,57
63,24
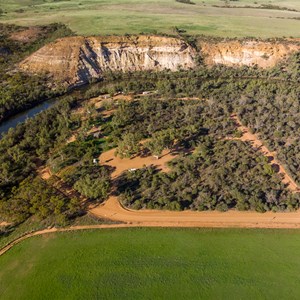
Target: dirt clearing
27,35
137,162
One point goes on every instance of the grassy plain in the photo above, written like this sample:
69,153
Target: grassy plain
154,264
88,17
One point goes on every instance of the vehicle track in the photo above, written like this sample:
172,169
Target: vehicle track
257,143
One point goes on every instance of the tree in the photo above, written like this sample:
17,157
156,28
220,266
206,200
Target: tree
155,146
93,188
129,145
160,141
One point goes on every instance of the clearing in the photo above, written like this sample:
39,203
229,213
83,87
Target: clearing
113,210
121,165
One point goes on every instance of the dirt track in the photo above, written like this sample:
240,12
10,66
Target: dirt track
256,142
152,218
53,230
113,210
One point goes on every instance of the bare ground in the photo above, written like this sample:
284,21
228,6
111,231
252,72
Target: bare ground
27,35
44,173
121,165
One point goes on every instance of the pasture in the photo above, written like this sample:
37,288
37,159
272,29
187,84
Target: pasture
145,263
210,17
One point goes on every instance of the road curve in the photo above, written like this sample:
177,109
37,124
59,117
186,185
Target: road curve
113,210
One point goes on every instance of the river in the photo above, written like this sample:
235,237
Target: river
21,117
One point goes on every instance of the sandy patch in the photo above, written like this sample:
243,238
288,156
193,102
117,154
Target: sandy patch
44,173
27,35
122,165
3,224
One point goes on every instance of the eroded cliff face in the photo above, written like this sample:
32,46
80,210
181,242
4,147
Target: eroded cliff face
76,60
249,53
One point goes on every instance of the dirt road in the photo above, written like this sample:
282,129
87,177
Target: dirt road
113,210
152,218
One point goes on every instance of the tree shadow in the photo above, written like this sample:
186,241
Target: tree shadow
276,168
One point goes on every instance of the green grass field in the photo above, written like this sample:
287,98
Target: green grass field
89,17
154,264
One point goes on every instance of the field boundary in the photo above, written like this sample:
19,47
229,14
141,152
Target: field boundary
30,234
267,225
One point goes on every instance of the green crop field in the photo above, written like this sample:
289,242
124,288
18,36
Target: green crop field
154,264
89,17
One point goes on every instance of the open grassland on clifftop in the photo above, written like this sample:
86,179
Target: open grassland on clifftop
242,18
154,263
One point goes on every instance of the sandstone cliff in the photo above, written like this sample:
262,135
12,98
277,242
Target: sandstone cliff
249,52
76,60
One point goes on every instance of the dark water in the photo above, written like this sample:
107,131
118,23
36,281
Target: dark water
23,116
